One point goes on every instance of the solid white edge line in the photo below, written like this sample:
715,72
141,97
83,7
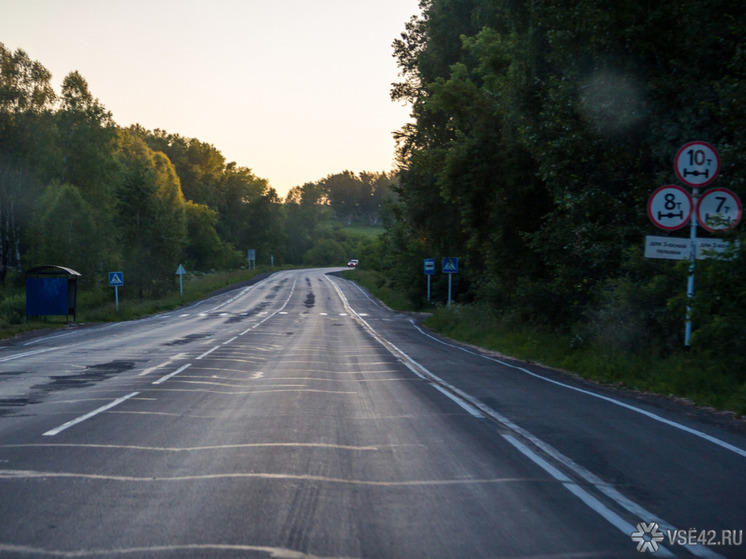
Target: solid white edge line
367,296
82,418
468,407
655,417
589,500
168,376
602,509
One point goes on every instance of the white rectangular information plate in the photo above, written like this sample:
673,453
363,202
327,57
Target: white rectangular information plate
667,248
672,248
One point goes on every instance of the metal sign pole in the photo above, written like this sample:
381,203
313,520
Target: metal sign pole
429,271
692,260
696,164
449,289
116,296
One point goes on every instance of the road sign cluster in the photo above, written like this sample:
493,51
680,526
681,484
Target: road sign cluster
671,207
448,266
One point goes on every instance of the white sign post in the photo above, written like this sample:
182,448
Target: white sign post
429,271
180,271
116,280
450,267
696,164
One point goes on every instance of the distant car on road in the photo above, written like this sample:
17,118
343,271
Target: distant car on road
352,263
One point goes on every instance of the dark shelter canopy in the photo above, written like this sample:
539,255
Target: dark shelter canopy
53,271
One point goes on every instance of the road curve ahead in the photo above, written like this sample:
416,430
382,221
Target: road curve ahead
298,417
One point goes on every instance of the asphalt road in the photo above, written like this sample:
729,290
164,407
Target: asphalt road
299,418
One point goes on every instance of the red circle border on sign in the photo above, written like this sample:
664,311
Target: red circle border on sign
735,222
688,217
684,180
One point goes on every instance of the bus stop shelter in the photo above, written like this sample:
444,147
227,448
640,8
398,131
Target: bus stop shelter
51,291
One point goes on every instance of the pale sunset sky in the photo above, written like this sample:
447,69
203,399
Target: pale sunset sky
293,89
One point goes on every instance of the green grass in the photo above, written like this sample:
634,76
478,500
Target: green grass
695,377
99,305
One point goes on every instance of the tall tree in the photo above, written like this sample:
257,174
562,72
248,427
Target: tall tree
540,129
87,140
66,232
152,214
27,146
239,191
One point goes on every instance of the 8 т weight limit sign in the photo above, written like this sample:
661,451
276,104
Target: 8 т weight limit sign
670,207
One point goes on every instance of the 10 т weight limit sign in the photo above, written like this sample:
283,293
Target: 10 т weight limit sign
697,164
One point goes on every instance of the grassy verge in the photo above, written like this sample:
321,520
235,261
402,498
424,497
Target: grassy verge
698,378
99,305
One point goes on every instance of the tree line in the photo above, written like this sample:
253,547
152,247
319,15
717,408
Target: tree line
78,190
540,129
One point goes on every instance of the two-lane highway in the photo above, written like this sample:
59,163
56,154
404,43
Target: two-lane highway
299,418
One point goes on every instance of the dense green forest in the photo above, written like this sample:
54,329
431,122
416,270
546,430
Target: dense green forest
78,190
540,129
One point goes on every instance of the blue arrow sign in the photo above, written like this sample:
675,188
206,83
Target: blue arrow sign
450,265
116,279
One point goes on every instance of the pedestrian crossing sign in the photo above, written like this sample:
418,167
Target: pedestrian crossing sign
116,279
450,265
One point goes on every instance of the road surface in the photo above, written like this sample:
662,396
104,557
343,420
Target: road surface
298,417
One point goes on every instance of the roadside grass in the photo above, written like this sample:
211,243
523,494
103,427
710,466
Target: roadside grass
695,377
98,305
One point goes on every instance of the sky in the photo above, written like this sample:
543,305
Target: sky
295,90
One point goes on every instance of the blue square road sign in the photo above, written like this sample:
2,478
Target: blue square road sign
450,265
116,279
